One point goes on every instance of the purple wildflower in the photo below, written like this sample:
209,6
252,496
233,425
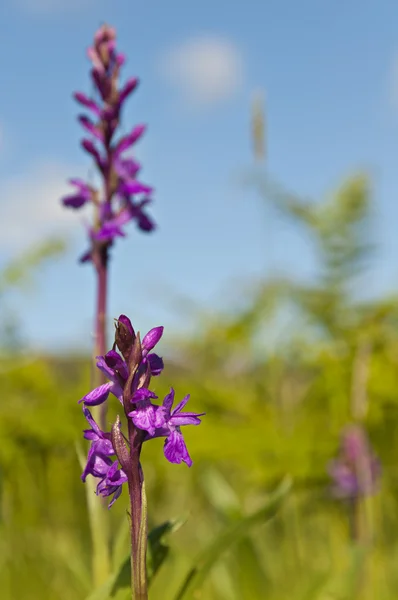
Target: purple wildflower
356,471
112,483
99,462
83,194
162,421
124,198
100,441
129,367
144,413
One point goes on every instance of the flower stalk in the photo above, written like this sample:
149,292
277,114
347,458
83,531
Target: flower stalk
120,199
114,458
356,475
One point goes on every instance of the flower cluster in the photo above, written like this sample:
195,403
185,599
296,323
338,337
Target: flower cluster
356,471
129,367
124,197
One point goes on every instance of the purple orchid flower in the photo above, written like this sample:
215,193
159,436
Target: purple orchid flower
83,195
154,420
163,421
356,471
112,483
101,443
99,463
144,413
129,366
175,449
123,196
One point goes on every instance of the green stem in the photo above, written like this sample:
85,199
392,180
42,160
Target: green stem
98,511
139,526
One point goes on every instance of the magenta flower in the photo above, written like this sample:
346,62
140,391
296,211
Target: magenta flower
163,421
100,442
83,194
169,422
123,198
356,471
99,462
112,483
129,369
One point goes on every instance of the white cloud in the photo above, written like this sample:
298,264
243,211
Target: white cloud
207,70
30,206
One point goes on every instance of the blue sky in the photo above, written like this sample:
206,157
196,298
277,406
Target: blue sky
329,70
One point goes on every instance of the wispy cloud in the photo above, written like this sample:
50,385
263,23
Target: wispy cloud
30,207
207,70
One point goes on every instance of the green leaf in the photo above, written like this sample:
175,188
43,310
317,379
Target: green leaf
19,271
98,517
235,532
121,543
158,551
118,586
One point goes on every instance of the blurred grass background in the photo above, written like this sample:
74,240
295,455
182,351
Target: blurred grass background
272,409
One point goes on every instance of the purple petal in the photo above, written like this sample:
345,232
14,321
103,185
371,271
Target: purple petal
101,82
180,405
109,232
75,201
126,168
91,421
130,139
83,195
87,102
115,496
145,223
185,419
114,361
129,87
97,466
156,364
161,420
126,188
117,476
144,418
112,228
103,367
104,447
112,470
117,390
142,394
89,147
175,449
89,434
152,338
97,396
168,400
80,184
120,59
90,127
86,257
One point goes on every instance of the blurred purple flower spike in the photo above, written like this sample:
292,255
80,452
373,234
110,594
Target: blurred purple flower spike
356,471
124,196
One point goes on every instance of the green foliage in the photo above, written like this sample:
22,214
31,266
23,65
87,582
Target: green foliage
272,409
18,275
